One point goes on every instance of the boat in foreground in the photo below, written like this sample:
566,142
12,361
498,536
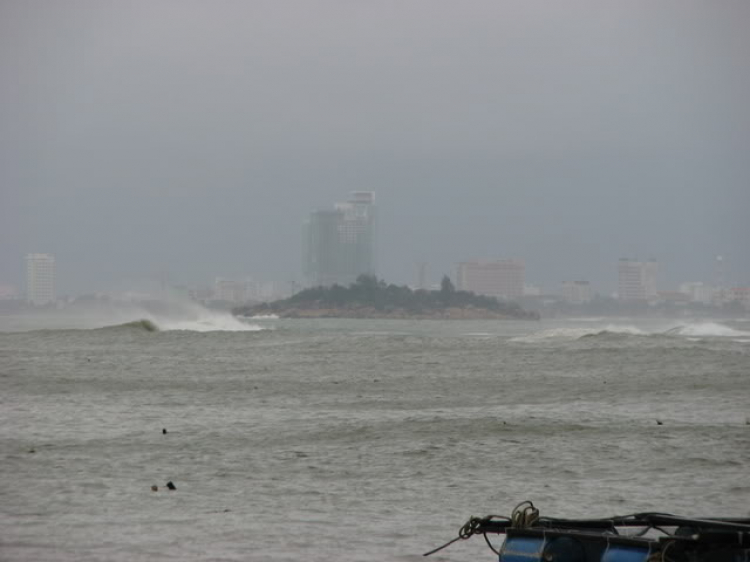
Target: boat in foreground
639,537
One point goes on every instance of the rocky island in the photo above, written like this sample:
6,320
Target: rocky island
370,297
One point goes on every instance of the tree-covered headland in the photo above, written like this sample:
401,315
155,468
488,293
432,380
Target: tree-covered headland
370,297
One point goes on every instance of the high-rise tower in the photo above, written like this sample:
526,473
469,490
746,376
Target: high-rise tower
636,280
341,243
40,279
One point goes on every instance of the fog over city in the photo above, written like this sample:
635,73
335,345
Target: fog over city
333,279
192,139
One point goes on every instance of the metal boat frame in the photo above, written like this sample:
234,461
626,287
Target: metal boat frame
640,537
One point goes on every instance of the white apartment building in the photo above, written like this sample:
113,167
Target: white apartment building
636,280
499,278
40,279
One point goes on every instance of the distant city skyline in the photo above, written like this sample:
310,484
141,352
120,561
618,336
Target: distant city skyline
637,281
426,271
355,221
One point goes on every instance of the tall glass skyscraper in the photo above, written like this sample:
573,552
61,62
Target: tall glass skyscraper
341,243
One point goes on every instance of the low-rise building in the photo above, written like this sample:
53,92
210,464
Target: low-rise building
699,292
674,297
576,292
738,294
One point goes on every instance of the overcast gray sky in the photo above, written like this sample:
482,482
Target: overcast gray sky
194,138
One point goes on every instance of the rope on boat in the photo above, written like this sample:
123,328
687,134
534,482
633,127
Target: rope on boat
524,515
466,531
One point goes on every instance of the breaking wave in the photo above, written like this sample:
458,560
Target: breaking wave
213,323
155,316
167,316
572,334
691,331
209,323
142,324
705,330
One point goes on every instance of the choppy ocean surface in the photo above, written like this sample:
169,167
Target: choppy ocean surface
361,440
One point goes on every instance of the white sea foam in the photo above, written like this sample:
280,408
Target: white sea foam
193,317
694,331
624,329
265,317
213,322
706,329
153,315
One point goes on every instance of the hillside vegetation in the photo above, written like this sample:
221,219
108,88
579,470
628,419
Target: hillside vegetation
370,297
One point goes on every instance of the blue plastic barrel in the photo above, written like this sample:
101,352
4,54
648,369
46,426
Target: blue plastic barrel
626,553
522,549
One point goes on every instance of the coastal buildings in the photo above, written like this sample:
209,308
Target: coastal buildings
576,292
636,280
739,295
498,278
341,243
700,292
40,279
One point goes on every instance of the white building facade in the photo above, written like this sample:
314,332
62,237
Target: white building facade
636,280
499,278
40,279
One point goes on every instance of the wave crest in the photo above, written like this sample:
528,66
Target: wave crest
705,330
571,334
188,317
143,324
210,323
691,331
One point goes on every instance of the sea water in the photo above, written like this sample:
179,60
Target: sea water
363,440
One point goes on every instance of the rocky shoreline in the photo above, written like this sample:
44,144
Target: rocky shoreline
366,312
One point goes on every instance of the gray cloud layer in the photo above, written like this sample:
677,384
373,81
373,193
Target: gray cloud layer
195,137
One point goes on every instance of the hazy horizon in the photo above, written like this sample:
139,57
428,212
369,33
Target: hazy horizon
193,139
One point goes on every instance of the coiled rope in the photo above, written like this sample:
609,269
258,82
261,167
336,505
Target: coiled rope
524,515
